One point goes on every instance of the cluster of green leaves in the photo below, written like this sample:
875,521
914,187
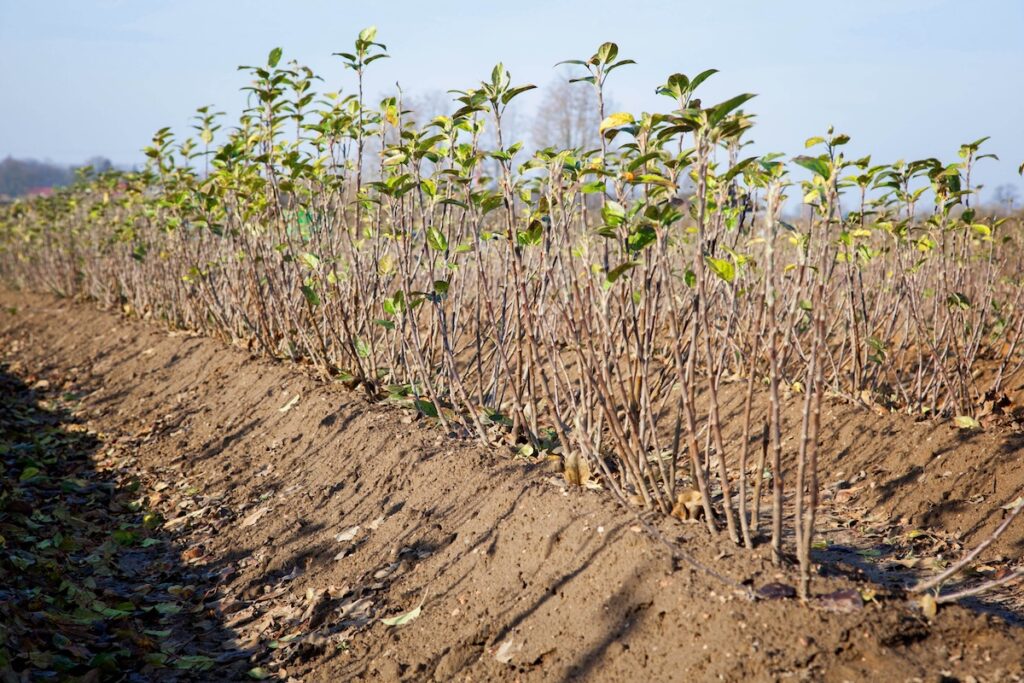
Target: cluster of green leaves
326,228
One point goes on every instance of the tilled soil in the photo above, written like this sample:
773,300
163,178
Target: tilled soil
308,517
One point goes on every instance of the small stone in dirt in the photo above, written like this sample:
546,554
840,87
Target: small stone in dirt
776,591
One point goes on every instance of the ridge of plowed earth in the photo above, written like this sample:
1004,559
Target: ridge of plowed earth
263,474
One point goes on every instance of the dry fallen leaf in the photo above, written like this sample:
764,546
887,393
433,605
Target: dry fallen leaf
289,405
348,534
928,606
505,651
776,591
689,505
403,619
966,422
254,516
908,562
193,553
576,469
842,601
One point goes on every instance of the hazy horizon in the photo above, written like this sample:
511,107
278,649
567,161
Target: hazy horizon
906,80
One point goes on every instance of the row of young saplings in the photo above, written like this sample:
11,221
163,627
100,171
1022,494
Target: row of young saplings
642,309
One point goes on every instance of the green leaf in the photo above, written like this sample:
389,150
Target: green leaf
496,74
701,77
613,213
721,110
194,663
426,407
722,268
817,165
368,34
124,537
436,239
616,65
615,273
28,473
532,235
312,298
258,673
641,238
607,53
958,300
274,57
168,608
738,168
152,520
512,92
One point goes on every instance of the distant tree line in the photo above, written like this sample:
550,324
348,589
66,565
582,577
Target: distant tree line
21,176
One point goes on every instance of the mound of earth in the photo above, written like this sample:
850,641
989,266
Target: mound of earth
327,538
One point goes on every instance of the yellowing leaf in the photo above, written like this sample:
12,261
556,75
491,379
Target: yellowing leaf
722,268
966,422
615,120
152,520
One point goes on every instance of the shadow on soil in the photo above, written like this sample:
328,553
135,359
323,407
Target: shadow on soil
90,587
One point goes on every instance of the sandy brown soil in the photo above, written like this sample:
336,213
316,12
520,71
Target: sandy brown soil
313,515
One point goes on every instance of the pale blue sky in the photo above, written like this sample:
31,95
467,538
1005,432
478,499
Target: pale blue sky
905,78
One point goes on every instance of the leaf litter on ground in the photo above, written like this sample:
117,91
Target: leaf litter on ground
89,586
